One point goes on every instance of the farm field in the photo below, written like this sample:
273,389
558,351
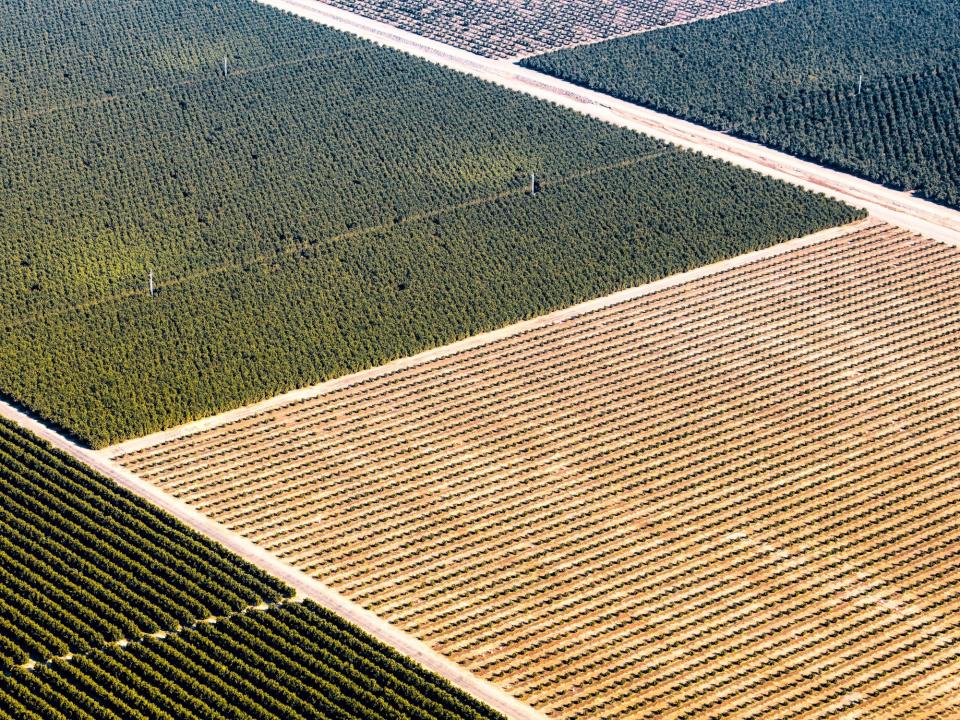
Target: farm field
326,206
735,497
110,609
789,76
83,563
506,29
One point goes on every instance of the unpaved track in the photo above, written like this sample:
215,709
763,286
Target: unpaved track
278,401
893,206
304,585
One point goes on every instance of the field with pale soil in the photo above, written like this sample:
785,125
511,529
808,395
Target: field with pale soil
507,28
736,497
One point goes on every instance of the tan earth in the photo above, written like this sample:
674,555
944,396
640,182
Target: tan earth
733,497
507,28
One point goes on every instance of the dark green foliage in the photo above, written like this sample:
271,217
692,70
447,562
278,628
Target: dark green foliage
295,661
903,131
83,562
328,206
788,74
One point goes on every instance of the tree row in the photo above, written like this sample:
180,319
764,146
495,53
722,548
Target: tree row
83,562
295,662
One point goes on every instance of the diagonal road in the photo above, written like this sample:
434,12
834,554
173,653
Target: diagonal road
115,452
304,585
893,206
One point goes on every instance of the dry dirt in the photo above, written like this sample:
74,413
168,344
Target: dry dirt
736,496
511,29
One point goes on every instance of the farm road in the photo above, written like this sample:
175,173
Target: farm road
303,584
893,206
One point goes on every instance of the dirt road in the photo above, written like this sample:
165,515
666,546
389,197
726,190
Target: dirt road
893,206
303,584
278,401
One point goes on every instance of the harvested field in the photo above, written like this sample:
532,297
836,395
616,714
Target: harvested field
506,28
736,497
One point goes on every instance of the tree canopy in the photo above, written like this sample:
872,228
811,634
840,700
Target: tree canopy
789,75
323,206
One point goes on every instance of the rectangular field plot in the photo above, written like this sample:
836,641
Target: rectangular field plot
736,497
506,28
324,206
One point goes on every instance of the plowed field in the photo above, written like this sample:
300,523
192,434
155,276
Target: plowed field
735,497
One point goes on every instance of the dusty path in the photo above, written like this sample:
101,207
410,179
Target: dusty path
305,586
471,342
892,206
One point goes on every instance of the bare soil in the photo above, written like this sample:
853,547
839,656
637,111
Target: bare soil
733,496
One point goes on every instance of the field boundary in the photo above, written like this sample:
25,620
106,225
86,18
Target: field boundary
303,585
630,33
474,341
895,207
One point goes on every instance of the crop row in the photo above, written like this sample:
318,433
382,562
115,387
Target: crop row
295,661
805,78
83,562
671,507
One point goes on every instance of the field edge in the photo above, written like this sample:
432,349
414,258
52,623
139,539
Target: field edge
117,450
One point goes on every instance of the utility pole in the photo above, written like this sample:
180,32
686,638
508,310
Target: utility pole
151,283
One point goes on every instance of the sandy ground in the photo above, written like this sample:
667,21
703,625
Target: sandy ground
735,497
305,586
893,206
